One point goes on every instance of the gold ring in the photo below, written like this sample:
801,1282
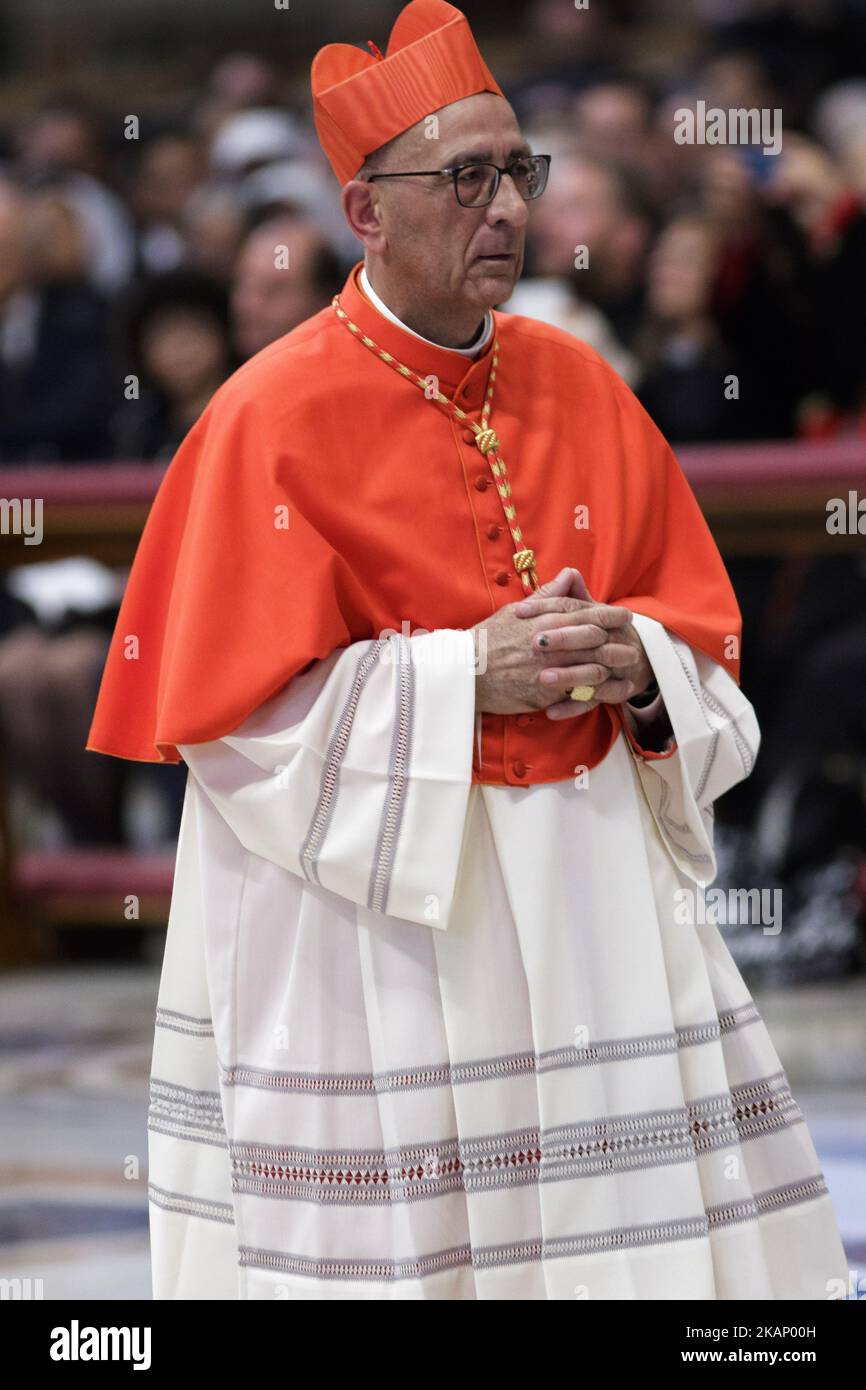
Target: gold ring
582,692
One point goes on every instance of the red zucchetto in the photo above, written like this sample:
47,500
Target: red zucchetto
362,100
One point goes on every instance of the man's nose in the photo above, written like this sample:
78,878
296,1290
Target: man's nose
508,203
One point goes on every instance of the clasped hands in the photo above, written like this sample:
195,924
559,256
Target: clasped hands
535,650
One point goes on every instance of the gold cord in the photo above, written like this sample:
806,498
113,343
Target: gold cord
485,440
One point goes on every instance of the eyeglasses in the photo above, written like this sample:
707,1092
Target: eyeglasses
476,185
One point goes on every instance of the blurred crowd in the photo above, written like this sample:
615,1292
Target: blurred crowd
701,261
141,249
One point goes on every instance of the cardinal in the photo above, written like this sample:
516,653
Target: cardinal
427,608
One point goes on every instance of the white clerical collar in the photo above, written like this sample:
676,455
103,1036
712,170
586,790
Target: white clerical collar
471,351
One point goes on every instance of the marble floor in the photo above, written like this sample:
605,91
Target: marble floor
75,1047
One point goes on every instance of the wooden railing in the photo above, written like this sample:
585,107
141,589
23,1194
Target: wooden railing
766,498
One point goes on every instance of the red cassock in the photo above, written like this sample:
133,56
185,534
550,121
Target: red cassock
321,499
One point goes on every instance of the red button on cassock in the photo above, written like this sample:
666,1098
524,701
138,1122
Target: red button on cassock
502,577
494,531
524,719
519,769
482,482
469,436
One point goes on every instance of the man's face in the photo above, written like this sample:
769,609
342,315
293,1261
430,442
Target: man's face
578,209
272,289
682,270
458,255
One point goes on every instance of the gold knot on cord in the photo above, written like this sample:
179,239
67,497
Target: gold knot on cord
486,440
524,560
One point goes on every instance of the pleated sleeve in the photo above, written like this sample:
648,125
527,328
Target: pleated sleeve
356,776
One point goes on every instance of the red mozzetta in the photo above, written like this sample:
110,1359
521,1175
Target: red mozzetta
320,499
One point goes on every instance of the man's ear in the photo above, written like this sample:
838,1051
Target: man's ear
361,209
